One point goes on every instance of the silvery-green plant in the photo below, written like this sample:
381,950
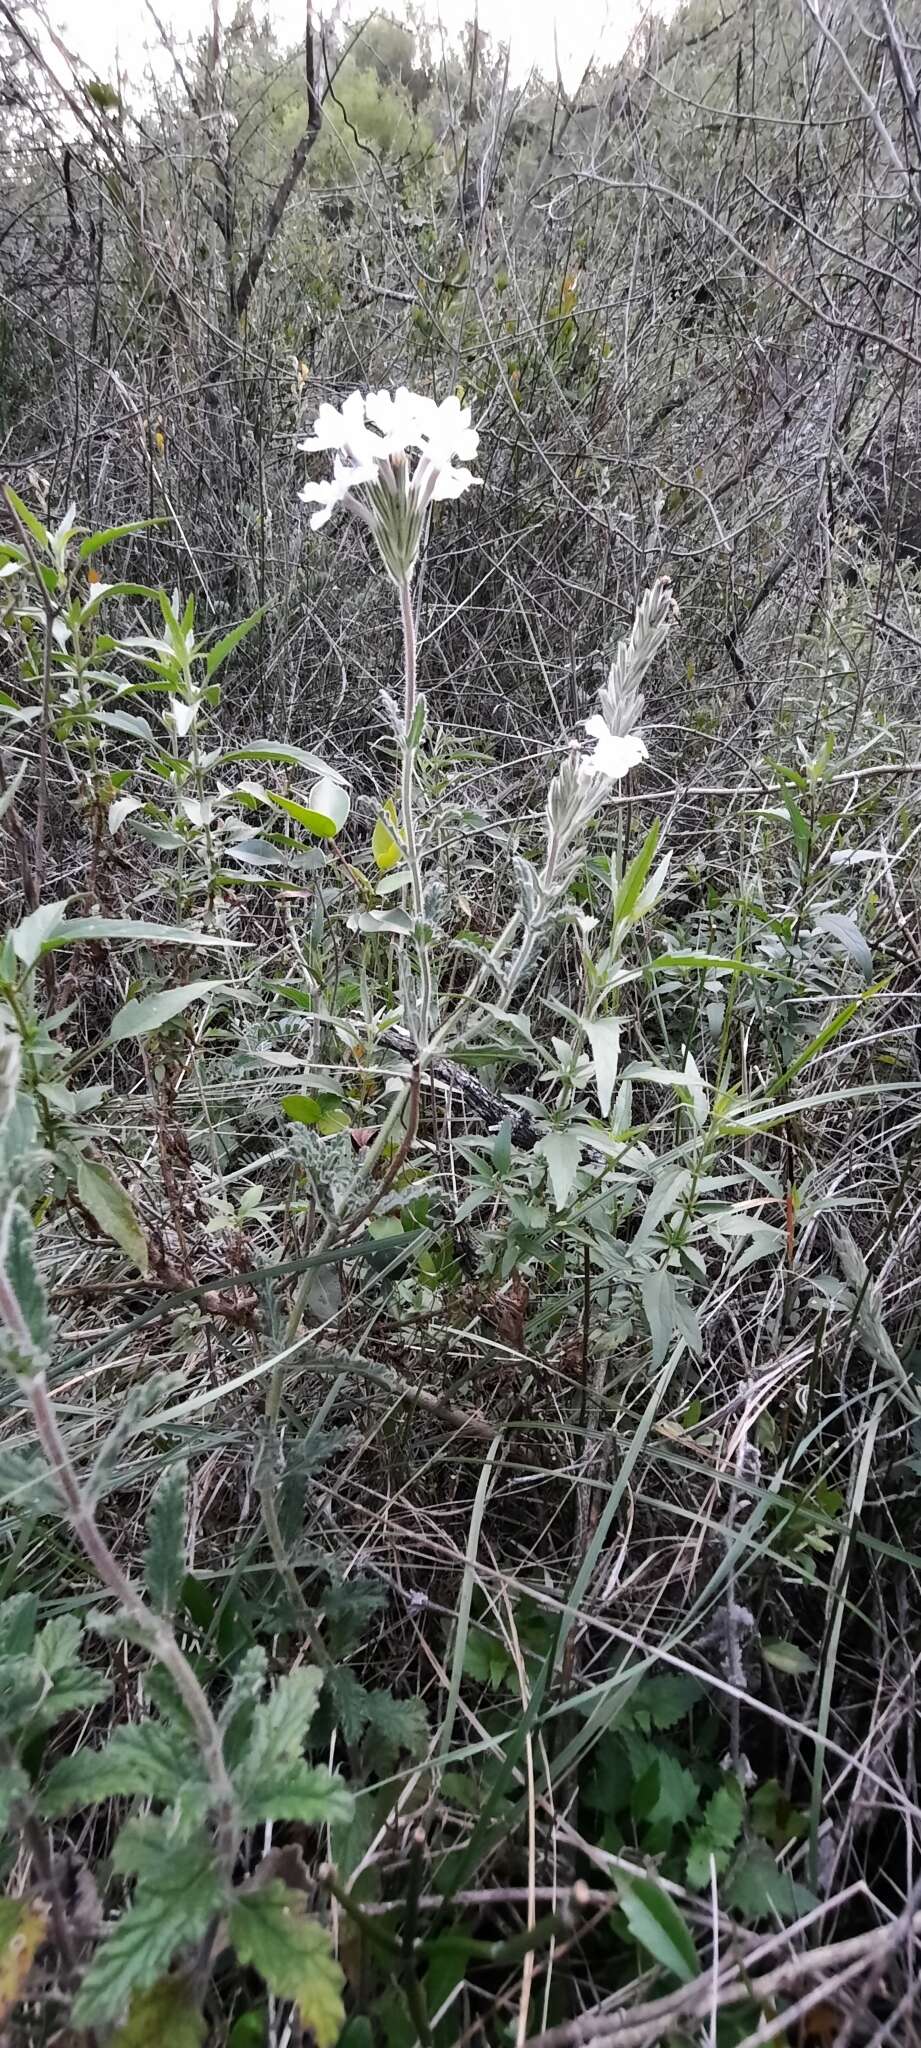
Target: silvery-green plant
395,455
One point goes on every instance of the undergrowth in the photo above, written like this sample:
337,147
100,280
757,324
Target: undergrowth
461,1409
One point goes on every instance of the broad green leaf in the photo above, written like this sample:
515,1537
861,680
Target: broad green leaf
757,1889
604,1038
327,808
561,1151
217,655
17,1624
141,1760
165,1558
655,1922
23,1926
291,1789
105,1198
165,1917
271,1933
149,1013
33,934
163,2017
68,1686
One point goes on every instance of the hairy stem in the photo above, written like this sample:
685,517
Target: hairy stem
157,1632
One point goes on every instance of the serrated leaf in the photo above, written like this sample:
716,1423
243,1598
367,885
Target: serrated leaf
164,1557
291,1789
14,1785
393,1726
271,1933
166,1916
68,1685
655,1922
757,1889
604,1038
163,2017
561,1151
667,1697
671,1795
149,1013
23,1925
19,1267
18,1617
142,1760
281,1722
717,1835
107,1201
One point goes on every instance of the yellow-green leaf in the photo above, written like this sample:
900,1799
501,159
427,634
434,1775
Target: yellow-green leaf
384,847
113,1210
270,1931
22,1930
164,2013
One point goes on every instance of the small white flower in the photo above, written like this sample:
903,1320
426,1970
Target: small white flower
614,753
374,439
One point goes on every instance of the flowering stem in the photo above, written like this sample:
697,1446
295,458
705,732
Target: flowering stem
407,798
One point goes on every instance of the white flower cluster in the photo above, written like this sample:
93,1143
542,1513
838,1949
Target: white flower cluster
394,454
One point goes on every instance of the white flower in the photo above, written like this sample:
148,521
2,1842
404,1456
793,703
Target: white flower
374,440
614,753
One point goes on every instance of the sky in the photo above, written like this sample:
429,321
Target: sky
98,31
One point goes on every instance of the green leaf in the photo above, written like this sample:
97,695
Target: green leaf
167,1915
631,888
271,1933
68,1685
34,526
105,1198
141,1760
784,1656
14,1785
19,1269
165,1558
604,1038
270,750
75,929
32,935
325,811
291,1789
658,1293
281,1722
148,1013
666,1698
393,1726
562,1153
671,1794
757,1889
850,937
717,1836
217,655
94,541
655,1922
163,2017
